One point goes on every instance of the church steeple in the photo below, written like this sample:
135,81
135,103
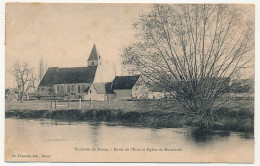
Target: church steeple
94,57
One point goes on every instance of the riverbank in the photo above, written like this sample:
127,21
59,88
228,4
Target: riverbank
225,118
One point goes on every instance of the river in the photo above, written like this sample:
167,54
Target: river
52,140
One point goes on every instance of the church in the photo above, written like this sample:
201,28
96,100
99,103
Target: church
87,82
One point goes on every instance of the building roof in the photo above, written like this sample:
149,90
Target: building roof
124,82
55,75
108,87
87,89
48,78
94,55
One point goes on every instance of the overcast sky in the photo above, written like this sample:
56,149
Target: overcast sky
64,34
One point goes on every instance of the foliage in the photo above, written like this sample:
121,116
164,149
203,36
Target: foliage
192,52
25,78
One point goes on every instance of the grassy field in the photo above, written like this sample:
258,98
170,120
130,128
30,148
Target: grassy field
238,115
143,105
115,104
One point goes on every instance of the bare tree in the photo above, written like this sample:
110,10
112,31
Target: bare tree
25,78
192,52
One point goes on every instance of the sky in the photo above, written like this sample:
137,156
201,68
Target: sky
64,34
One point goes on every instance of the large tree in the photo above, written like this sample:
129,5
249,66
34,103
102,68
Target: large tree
191,51
25,78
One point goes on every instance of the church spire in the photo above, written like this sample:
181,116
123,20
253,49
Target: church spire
94,57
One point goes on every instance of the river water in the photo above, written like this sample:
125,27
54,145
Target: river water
51,140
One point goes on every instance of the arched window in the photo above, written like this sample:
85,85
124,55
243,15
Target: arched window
79,89
58,89
72,88
62,90
68,89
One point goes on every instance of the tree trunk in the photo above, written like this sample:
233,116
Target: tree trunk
22,94
21,97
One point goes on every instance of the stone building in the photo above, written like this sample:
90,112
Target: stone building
129,87
87,82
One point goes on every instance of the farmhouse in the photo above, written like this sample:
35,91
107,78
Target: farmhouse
87,82
127,87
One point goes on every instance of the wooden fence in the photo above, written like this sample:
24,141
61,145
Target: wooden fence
77,103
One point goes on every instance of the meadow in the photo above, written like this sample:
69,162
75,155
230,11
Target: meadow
237,115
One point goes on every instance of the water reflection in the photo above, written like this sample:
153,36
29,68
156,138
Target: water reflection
246,136
201,136
94,130
54,136
102,134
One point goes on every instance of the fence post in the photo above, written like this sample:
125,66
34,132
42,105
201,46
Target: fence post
55,104
90,103
79,103
69,103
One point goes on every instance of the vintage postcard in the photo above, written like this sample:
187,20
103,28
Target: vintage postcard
93,82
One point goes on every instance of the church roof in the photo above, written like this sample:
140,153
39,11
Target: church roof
124,82
94,55
55,75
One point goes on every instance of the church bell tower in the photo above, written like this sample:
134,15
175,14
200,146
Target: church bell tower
96,60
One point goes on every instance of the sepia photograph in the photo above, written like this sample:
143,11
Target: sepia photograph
129,82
